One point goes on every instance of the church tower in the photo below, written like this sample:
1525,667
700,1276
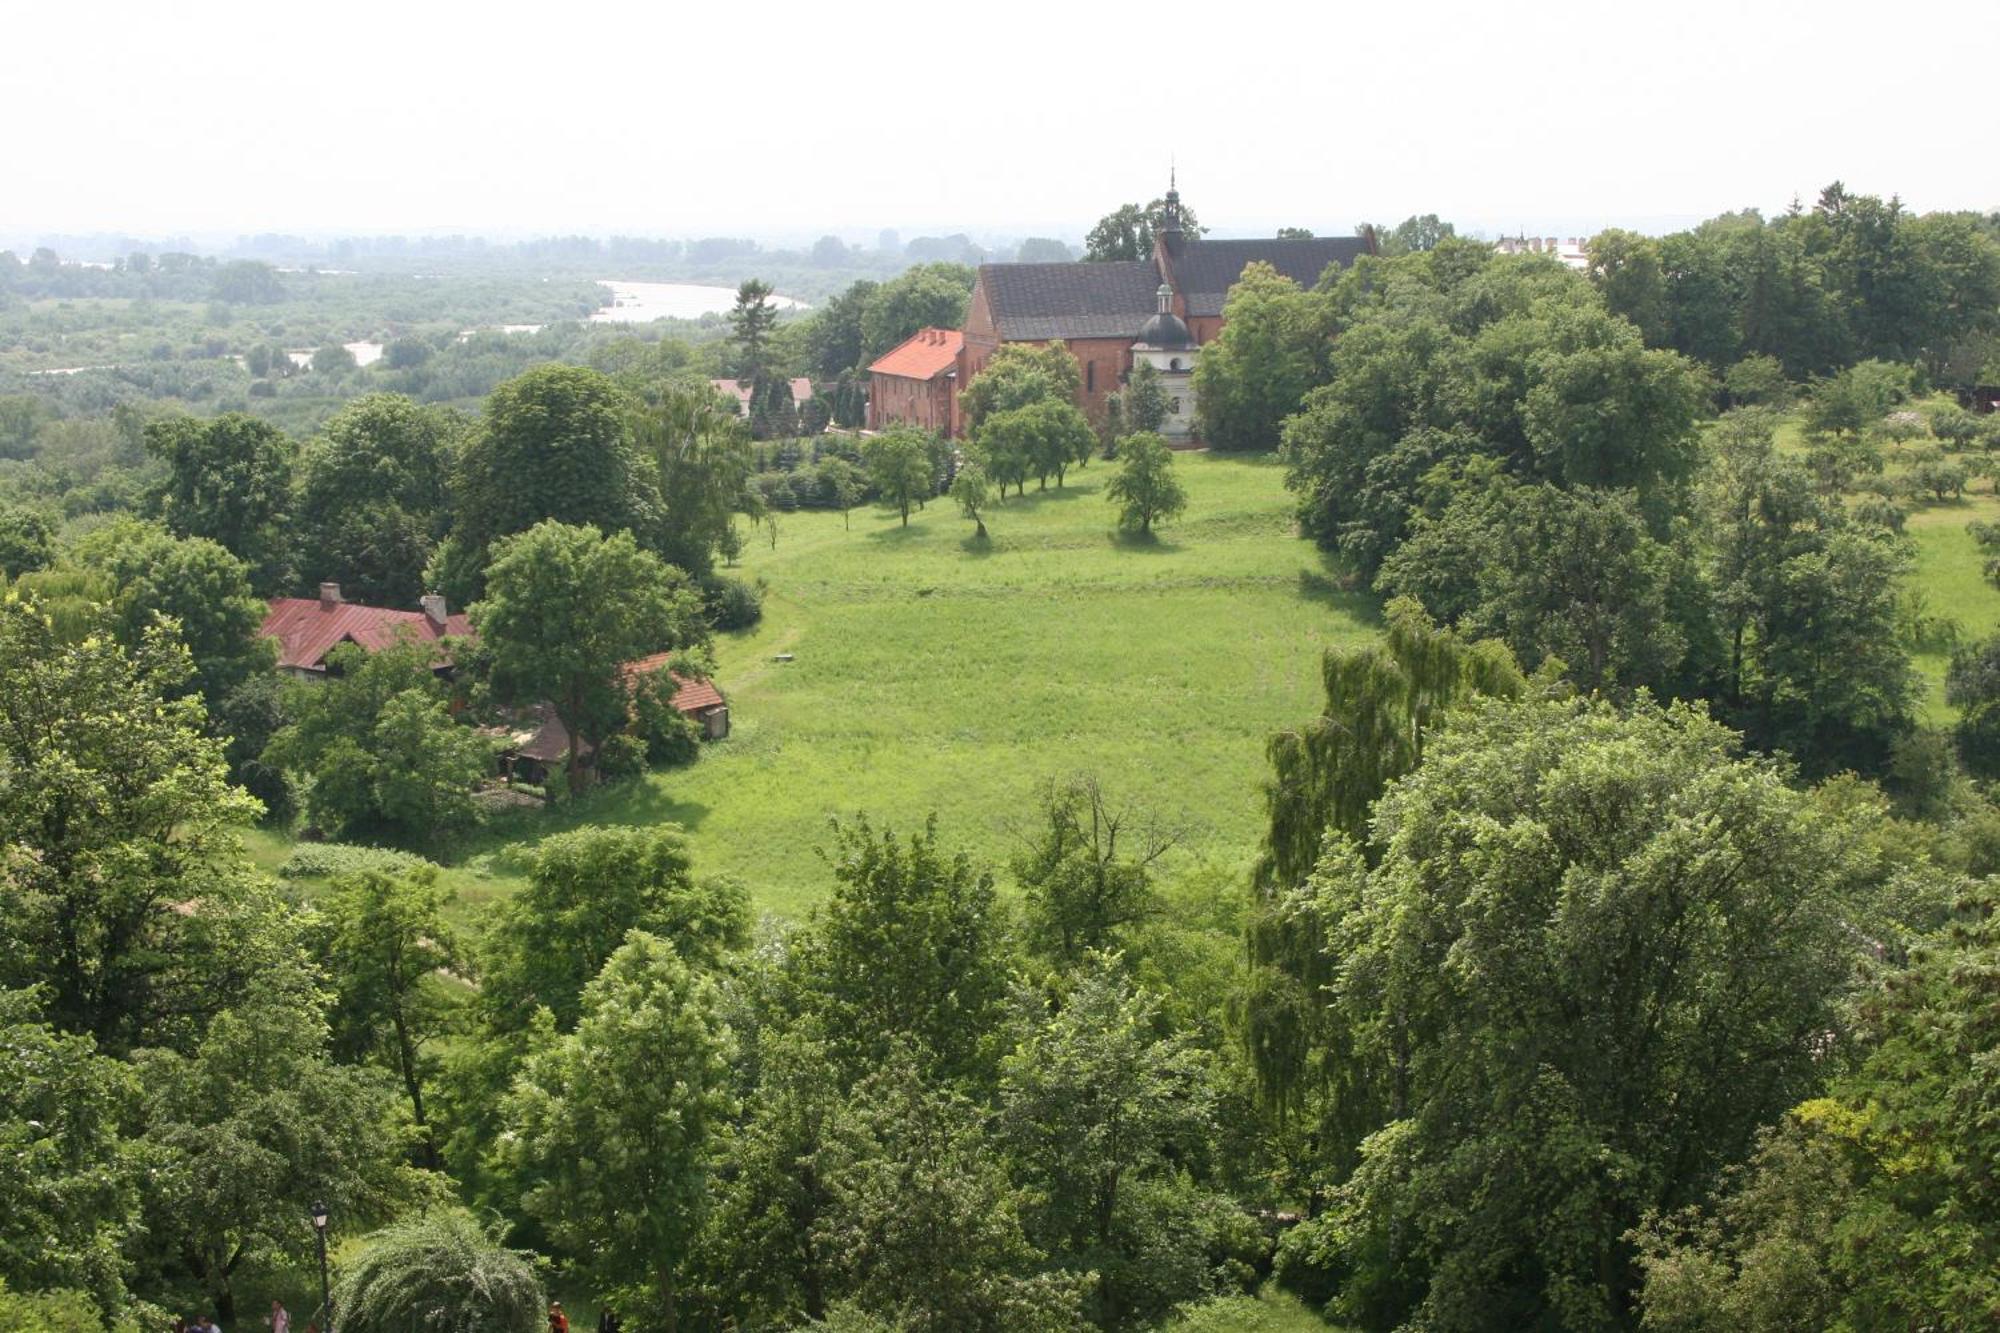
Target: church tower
1166,344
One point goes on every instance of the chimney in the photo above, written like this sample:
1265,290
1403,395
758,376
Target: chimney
329,596
433,604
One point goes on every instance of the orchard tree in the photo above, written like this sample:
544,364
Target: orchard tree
1145,488
619,1118
972,493
843,484
229,480
1020,374
1042,437
565,609
899,466
1145,400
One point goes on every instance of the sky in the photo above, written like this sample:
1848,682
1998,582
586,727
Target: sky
215,119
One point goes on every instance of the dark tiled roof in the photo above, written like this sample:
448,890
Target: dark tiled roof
1032,301
1204,271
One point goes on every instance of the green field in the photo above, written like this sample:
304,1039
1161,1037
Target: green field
933,674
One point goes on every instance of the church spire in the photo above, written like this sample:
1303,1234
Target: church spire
1170,220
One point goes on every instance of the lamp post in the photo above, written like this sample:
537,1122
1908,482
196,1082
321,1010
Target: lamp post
319,1234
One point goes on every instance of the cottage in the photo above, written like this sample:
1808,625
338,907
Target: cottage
307,629
541,741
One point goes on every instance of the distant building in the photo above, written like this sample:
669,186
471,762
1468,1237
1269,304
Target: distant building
307,628
1569,251
541,741
1160,309
915,383
802,392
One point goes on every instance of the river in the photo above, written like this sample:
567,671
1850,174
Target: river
643,302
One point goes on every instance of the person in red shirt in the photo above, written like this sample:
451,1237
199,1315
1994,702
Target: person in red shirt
558,1321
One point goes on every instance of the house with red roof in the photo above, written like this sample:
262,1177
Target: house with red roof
308,628
915,383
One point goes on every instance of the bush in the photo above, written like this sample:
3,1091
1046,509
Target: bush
731,603
441,1273
621,756
325,860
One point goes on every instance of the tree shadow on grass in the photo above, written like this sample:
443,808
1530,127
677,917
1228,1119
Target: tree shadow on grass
1033,499
508,840
1145,543
1340,589
979,544
899,534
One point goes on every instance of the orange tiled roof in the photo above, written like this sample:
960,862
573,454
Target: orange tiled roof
694,694
307,629
924,355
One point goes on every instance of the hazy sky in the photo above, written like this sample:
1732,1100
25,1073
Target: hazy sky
664,118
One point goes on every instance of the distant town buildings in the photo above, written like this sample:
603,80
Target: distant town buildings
1570,251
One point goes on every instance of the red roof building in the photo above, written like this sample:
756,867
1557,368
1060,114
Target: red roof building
309,628
915,382
802,392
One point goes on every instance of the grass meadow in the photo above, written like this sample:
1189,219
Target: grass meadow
932,674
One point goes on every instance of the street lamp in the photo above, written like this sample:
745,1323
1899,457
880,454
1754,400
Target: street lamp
319,1234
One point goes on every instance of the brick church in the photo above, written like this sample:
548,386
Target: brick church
1111,315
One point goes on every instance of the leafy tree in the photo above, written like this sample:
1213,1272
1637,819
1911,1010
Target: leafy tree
372,500
555,443
1549,861
228,480
255,1119
1972,685
925,296
587,890
1627,270
1145,488
1870,1207
750,326
1757,381
1082,889
1100,1112
374,749
1415,235
619,1118
1854,400
248,282
192,582
1255,372
1127,232
908,948
925,1226
27,540
442,1272
1145,400
68,1179
972,493
21,418
899,466
1018,375
704,464
125,893
774,1194
334,359
1043,250
386,941
565,609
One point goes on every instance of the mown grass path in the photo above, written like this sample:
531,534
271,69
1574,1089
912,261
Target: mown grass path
933,674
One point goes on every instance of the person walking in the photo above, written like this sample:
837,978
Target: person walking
280,1318
607,1322
558,1321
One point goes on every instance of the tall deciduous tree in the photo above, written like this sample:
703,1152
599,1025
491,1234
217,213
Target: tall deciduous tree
1595,955
1258,369
704,465
565,609
619,1118
229,480
926,296
1127,231
373,499
556,443
126,894
1085,870
1020,374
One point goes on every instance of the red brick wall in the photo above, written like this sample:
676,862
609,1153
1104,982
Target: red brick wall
899,400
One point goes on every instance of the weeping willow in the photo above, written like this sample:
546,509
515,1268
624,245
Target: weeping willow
439,1273
1325,778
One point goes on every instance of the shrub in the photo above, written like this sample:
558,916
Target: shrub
325,860
731,603
621,756
441,1273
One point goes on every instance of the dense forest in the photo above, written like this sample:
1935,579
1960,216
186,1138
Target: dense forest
1619,950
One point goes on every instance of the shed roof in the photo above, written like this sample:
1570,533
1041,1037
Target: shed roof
307,629
924,355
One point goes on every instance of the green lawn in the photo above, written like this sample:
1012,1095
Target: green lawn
933,674
1949,571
